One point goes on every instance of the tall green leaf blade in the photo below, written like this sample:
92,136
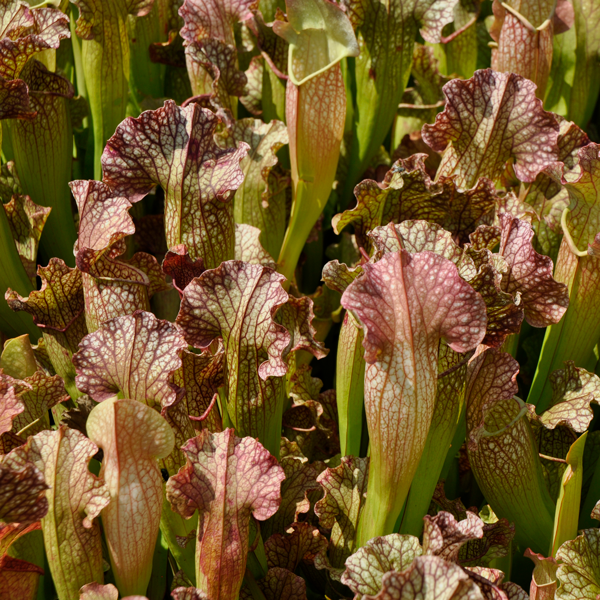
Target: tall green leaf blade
147,78
562,73
350,386
566,516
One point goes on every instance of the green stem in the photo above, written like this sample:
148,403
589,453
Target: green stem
222,399
452,487
350,386
381,513
158,581
77,59
173,526
575,336
273,96
511,345
566,515
586,82
251,584
272,440
447,415
297,231
431,466
540,393
457,441
592,497
504,563
311,269
378,96
147,78
257,558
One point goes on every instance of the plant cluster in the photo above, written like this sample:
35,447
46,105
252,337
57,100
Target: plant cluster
212,211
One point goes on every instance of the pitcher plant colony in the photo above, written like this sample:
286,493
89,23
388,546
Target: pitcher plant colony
300,299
